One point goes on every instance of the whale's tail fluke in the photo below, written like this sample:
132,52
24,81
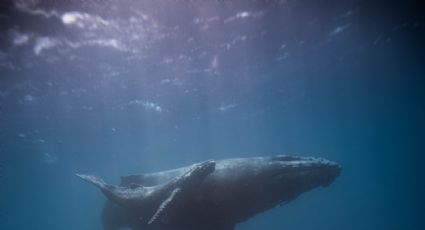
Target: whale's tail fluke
110,191
165,196
93,180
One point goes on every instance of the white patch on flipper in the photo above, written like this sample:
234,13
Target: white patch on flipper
163,205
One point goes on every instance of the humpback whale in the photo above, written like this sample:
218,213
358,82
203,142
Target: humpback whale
211,195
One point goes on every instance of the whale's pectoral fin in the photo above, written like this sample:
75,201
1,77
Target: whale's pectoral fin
183,184
194,175
160,212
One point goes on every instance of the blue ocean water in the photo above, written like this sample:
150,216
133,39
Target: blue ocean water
112,89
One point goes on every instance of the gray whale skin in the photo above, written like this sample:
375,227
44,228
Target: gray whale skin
211,195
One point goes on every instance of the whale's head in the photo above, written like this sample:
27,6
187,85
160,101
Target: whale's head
299,173
264,182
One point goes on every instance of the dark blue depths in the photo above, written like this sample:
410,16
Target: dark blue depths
112,90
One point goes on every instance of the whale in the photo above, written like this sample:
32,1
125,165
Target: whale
210,195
